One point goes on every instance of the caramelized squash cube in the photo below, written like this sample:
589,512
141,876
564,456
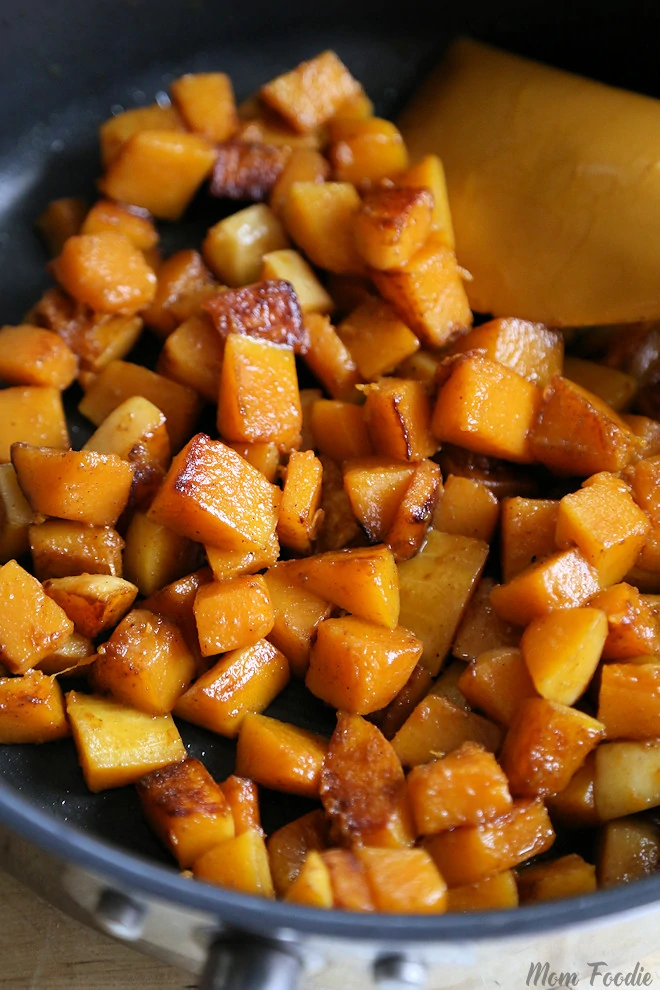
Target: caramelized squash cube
527,528
93,602
241,681
16,516
300,516
247,169
414,513
312,93
575,805
232,614
31,709
348,880
290,845
265,457
398,416
628,849
79,485
33,356
633,622
562,651
259,398
238,864
266,310
133,224
107,272
467,508
243,798
280,756
312,886
228,564
186,809
329,359
175,602
563,580
546,744
118,745
290,266
339,430
403,881
212,495
487,408
377,339
465,788
303,165
338,528
497,682
428,294
298,613
115,132
60,549
392,224
530,349
629,699
438,726
206,102
627,778
569,876
31,623
31,415
160,171
482,629
366,151
320,218
192,356
145,663
495,892
375,487
234,248
183,283
429,174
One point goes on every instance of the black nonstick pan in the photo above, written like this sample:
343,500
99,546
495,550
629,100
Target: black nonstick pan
65,65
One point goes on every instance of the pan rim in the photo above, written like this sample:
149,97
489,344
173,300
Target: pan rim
140,876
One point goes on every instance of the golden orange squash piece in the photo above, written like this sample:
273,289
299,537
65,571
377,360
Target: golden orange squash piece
494,892
33,415
438,726
403,881
312,93
329,359
530,349
528,527
497,682
31,709
33,356
563,580
32,625
205,100
562,651
280,756
289,846
243,798
107,272
298,613
239,864
366,151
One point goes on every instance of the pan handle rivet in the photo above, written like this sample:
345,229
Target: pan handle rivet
396,972
120,915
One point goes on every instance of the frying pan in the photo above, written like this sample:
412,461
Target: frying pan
65,66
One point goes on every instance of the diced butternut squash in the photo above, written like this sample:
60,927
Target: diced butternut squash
234,248
242,681
633,622
146,663
429,174
528,528
16,516
320,218
377,339
495,892
175,602
93,602
375,487
116,131
299,516
398,417
238,864
303,165
471,853
243,798
340,430
265,457
61,219
437,726
546,744
33,356
212,495
362,581
232,614
605,523
465,788
497,682
205,100
186,809
359,666
61,548
290,845
133,224
575,805
31,415
350,890
247,169
629,699
106,272
530,349
561,581
569,876
259,399
562,651
31,623
267,311
192,356
614,387
228,564
403,881
31,709
280,756
366,151
466,508
644,479
312,886
435,588
312,93
487,408
576,433
160,171
183,283
392,224
628,849
292,267
155,555
414,512
627,778
482,629
427,293
298,613
79,485
363,788
329,359
118,745
121,380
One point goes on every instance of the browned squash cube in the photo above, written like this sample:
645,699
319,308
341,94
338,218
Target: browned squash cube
228,564
320,218
329,359
467,508
562,651
429,174
79,485
290,266
232,614
93,602
115,132
375,487
312,93
33,356
497,682
242,681
183,283
428,294
31,623
280,756
465,788
145,663
366,151
403,881
363,788
398,417
298,613
175,602
266,310
238,864
563,580
234,248
105,271
206,102
186,809
348,881
312,887
259,398
413,515
338,528
60,549
31,415
495,892
438,726
212,495
61,219
471,853
632,622
530,349
121,380
290,845
16,516
487,408
31,709
247,169
546,744
300,514
482,630
118,745
377,339
243,798
133,224
160,171
527,532
392,225
629,699
569,876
